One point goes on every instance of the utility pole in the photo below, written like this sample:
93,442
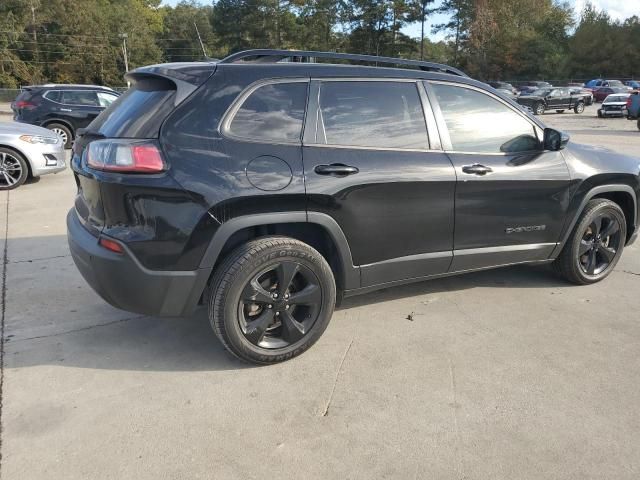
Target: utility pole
34,27
204,52
125,54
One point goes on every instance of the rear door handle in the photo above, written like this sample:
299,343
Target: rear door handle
476,169
337,169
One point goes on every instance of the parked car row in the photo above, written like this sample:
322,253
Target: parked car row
47,119
62,108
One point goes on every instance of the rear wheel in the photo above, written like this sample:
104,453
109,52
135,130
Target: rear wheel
539,108
63,132
579,108
595,246
271,299
13,169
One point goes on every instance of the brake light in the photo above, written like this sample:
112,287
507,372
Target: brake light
629,102
127,156
25,104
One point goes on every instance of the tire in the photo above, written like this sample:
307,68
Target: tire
14,169
559,111
255,318
638,123
600,115
538,108
579,108
64,132
588,256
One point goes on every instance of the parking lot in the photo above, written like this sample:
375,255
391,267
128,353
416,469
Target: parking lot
503,374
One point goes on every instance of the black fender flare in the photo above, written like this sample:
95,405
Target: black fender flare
351,273
600,189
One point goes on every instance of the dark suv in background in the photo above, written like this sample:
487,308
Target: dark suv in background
268,186
62,108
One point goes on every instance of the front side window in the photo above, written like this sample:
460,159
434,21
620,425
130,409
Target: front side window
79,97
372,114
479,123
273,112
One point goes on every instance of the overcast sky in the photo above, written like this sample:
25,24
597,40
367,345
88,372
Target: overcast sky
617,9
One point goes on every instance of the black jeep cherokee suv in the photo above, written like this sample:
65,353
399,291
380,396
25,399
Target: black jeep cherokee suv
268,187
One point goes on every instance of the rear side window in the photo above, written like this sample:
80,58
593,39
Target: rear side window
479,123
273,112
78,97
54,96
139,112
372,114
106,99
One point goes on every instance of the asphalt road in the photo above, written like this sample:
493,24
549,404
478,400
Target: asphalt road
504,374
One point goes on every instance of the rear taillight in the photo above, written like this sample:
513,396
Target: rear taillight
129,156
629,101
25,105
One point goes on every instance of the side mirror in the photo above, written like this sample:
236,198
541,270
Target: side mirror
555,140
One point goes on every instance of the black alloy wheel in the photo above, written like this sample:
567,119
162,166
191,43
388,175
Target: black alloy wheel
279,305
595,245
271,299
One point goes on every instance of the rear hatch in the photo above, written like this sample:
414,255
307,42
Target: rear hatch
130,125
26,100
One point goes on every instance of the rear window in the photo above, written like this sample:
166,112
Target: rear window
139,112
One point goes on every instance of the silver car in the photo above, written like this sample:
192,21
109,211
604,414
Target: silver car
28,151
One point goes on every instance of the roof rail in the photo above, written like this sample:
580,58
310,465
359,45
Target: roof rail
273,56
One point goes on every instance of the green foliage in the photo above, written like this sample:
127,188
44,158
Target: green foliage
82,40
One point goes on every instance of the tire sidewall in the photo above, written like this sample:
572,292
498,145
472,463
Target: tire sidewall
577,237
539,109
579,108
23,165
225,303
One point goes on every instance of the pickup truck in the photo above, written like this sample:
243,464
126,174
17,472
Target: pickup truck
558,99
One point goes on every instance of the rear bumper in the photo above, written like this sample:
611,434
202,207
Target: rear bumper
121,281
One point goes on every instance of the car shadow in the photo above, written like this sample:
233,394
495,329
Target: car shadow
105,338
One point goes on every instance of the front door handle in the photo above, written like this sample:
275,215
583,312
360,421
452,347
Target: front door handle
476,169
335,169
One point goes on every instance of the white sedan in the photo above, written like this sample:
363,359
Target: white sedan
28,151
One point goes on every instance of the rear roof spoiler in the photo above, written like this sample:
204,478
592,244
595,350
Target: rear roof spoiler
186,76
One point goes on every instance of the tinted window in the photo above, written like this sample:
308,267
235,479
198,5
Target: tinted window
480,123
272,112
106,99
139,112
54,95
78,97
372,114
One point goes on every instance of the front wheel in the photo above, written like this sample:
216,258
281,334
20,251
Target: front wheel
539,108
579,108
13,169
595,245
271,299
